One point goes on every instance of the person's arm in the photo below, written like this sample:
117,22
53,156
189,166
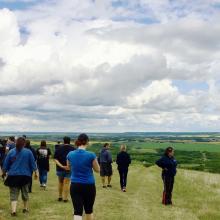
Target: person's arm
129,159
59,164
109,157
33,165
67,165
160,163
6,166
95,166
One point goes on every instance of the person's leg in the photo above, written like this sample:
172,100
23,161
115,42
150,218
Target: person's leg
44,177
14,193
103,181
121,178
109,174
164,191
77,200
109,180
25,197
60,188
30,184
40,176
171,183
66,189
89,194
125,178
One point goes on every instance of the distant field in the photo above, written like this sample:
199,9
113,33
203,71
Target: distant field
196,197
202,156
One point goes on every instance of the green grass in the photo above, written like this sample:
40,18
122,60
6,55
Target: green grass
196,197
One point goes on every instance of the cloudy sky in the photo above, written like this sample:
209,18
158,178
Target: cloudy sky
109,65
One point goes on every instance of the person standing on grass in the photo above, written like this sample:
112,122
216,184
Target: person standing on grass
169,165
28,146
19,165
83,191
105,160
43,163
123,161
62,173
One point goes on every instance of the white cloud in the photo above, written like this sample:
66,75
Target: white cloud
71,63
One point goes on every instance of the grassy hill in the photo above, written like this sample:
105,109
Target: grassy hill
196,196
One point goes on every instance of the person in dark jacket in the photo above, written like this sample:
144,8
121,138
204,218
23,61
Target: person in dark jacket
105,160
43,163
28,146
63,174
123,160
168,165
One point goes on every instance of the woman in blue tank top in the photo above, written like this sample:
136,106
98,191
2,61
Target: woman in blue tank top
83,191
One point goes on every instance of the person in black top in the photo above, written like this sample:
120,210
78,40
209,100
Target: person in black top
123,160
43,156
28,146
168,164
62,172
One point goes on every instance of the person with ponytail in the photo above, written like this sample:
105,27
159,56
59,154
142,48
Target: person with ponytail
19,165
83,191
168,164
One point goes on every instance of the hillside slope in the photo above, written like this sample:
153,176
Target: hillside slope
196,196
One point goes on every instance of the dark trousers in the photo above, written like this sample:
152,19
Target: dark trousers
30,186
123,177
83,197
168,182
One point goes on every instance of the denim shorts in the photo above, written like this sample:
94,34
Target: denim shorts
64,174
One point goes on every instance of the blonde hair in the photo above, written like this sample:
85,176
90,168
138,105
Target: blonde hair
123,147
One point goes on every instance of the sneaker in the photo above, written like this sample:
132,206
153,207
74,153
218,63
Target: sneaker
60,199
104,187
109,186
25,211
124,190
44,186
13,214
65,201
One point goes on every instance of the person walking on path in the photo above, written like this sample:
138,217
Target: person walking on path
168,165
105,160
43,163
19,165
123,161
83,191
63,174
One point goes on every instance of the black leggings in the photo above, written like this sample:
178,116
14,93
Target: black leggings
168,182
123,177
83,196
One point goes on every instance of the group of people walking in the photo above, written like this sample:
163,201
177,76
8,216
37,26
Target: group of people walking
74,169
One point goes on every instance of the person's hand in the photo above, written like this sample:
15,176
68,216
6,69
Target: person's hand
35,176
165,169
3,176
66,168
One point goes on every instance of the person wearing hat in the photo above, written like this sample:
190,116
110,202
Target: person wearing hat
83,191
61,171
168,164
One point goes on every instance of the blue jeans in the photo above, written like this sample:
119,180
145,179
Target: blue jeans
43,176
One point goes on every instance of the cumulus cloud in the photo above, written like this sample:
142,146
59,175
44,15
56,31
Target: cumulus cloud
106,66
